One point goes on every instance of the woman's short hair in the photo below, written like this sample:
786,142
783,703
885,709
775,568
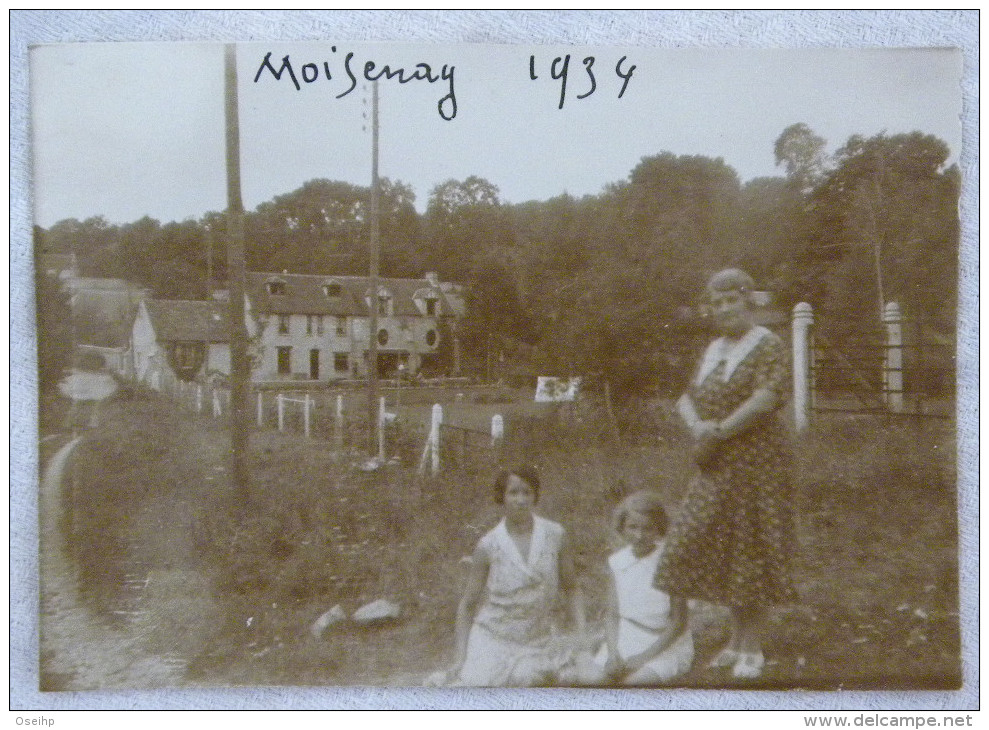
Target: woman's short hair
731,280
525,472
645,502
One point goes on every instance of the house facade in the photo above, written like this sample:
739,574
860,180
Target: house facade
312,327
180,340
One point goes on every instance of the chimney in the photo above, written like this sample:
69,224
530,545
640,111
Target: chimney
432,277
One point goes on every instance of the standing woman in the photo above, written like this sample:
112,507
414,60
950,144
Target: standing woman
733,535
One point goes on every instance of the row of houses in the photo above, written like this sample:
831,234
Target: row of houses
300,327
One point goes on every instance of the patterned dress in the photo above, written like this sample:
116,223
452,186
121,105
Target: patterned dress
731,541
510,641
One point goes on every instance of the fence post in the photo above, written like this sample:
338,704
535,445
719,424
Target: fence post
381,429
338,433
434,437
281,412
893,361
260,410
199,399
803,318
217,411
497,430
305,414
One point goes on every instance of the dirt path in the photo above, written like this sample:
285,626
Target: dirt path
135,643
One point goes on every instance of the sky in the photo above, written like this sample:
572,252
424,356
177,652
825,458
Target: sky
125,130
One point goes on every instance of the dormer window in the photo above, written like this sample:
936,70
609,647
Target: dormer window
275,287
332,291
430,307
384,305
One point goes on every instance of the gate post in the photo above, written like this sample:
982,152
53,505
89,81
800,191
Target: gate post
381,428
338,433
803,318
260,410
434,437
280,399
497,430
305,414
893,361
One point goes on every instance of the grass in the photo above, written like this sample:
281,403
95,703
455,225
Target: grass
876,568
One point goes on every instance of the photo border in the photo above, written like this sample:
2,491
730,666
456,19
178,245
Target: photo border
724,28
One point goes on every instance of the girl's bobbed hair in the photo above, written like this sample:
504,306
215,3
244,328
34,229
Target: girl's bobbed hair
645,502
525,472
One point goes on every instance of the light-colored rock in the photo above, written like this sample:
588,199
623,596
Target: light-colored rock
333,616
380,610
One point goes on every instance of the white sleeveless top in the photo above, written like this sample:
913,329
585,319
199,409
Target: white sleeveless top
638,601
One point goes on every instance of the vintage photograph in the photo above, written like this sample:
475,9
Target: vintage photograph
477,365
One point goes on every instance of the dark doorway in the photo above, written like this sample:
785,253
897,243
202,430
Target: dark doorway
314,364
284,360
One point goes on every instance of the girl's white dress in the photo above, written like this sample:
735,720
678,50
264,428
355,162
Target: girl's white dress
643,612
510,640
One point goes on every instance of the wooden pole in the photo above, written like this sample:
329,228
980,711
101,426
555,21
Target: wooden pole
372,353
240,427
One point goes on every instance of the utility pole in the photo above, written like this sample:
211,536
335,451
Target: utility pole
239,364
372,354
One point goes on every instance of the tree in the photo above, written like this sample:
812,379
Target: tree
464,221
890,207
802,154
55,335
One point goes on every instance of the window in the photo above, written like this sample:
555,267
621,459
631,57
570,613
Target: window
384,305
333,291
284,360
319,324
341,362
382,337
309,324
430,307
431,338
276,287
283,324
341,326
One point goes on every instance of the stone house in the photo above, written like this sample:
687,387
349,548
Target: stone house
313,327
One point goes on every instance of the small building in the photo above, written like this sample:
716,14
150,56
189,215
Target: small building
180,340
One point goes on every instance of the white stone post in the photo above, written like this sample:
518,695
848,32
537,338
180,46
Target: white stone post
305,414
338,434
497,430
381,428
199,399
803,319
281,412
434,437
893,361
216,404
260,409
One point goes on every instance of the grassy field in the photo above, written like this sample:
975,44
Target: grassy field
876,568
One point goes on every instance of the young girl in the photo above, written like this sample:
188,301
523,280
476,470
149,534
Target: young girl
519,570
647,640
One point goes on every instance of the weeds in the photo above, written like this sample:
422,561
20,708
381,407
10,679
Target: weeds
876,566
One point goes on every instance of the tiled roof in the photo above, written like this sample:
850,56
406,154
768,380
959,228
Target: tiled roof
199,321
304,295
